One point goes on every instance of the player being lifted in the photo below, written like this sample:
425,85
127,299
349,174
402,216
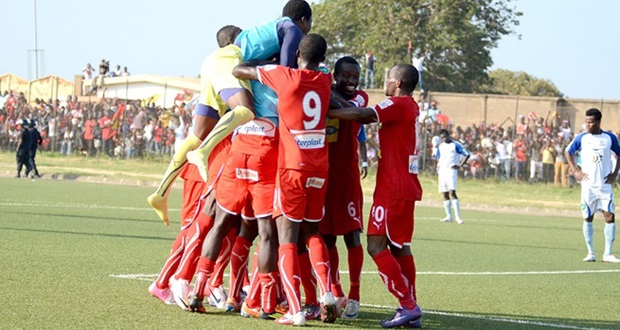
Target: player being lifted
207,121
344,200
391,222
302,168
595,147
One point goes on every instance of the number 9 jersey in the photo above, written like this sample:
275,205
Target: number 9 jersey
302,108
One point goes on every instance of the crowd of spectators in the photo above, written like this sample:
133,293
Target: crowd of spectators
528,150
109,127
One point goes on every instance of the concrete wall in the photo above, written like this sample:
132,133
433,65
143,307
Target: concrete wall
467,109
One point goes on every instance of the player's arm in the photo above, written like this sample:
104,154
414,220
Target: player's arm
245,71
570,158
363,115
615,148
290,43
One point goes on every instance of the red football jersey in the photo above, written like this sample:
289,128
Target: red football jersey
397,139
303,99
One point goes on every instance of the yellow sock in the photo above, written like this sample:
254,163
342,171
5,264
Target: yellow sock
226,125
159,199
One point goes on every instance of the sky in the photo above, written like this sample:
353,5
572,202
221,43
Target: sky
573,43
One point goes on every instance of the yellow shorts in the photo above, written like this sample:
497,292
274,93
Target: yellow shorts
216,75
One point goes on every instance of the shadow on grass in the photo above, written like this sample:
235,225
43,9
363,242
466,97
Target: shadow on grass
31,230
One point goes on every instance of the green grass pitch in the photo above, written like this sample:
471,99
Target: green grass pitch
71,254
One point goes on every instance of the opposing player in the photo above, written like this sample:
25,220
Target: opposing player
344,201
219,90
450,157
302,168
391,223
595,147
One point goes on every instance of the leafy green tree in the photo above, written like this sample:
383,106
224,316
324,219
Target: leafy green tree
456,36
518,83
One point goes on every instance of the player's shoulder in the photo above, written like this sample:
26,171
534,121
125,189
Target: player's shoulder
611,136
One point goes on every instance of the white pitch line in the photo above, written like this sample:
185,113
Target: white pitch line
490,318
149,277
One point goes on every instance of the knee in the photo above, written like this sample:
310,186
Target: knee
374,249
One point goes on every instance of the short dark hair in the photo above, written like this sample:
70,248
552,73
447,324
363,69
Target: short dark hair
227,35
594,112
312,48
296,9
444,131
408,75
343,60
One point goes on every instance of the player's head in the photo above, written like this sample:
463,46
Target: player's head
445,136
347,75
227,35
403,77
300,12
593,120
312,49
32,123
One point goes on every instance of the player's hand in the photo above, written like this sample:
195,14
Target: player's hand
611,178
364,171
579,175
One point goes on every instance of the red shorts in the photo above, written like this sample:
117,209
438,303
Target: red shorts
248,180
192,190
392,218
217,159
300,195
343,209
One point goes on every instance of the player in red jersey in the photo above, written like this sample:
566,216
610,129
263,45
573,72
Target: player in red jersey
390,227
344,202
302,168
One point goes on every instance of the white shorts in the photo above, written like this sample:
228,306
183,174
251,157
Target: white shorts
597,199
447,180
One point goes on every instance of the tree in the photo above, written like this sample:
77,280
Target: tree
518,83
456,36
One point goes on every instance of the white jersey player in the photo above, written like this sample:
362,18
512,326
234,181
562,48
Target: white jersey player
450,157
597,176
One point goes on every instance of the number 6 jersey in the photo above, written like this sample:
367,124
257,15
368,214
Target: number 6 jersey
302,107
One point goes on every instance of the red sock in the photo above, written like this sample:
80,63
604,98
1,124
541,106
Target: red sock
195,235
223,259
203,272
407,265
319,258
238,266
268,291
253,297
308,280
172,263
356,261
392,277
334,272
289,271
